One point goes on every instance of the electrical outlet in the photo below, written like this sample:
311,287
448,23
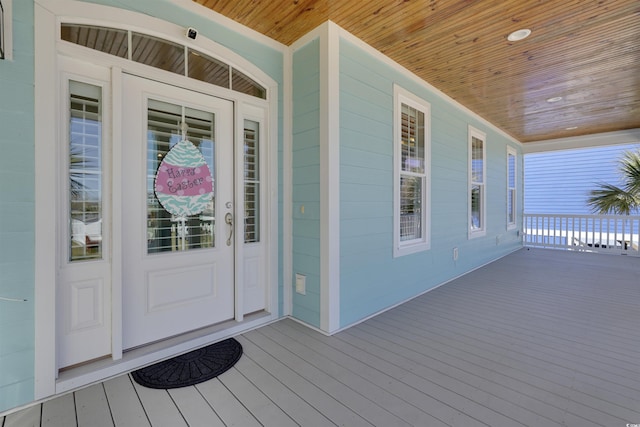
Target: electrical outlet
301,284
455,254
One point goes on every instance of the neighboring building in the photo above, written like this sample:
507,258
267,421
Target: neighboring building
559,182
344,185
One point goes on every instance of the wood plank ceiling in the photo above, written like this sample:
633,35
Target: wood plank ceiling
585,51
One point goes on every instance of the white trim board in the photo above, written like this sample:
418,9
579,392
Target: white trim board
330,178
287,184
630,136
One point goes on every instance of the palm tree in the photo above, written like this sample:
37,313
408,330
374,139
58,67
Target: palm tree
624,200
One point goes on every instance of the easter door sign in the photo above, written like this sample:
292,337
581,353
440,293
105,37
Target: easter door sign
183,184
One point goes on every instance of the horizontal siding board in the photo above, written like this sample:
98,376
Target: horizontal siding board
355,157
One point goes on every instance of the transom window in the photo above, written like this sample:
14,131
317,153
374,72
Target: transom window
412,148
162,54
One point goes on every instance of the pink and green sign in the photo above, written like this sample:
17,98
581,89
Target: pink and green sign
184,185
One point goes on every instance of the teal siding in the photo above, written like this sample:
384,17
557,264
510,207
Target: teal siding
306,180
17,206
370,278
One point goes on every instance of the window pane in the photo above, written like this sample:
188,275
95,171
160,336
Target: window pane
251,182
244,84
157,53
85,171
476,160
208,70
107,40
164,231
413,139
476,207
511,207
512,171
410,207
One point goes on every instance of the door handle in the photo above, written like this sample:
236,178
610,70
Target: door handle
228,219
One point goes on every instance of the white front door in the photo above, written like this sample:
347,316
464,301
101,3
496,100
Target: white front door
177,275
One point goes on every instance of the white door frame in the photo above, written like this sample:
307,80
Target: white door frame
47,49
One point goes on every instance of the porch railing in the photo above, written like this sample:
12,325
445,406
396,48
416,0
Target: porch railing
613,234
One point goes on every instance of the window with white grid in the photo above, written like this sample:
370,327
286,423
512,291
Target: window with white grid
477,177
251,181
165,232
412,169
85,171
511,187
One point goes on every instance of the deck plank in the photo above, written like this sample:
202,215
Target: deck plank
361,396
92,407
257,402
160,408
391,393
60,412
230,410
194,408
28,417
292,404
328,405
125,405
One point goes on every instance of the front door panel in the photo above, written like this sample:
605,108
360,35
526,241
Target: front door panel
177,271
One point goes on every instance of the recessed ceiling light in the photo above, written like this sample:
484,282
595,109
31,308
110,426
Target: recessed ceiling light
554,99
519,35
571,128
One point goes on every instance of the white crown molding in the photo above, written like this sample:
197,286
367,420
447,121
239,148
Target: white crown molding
629,136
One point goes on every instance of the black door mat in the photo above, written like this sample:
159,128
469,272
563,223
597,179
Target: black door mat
191,368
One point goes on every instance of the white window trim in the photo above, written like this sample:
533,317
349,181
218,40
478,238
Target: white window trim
512,152
402,96
7,28
482,231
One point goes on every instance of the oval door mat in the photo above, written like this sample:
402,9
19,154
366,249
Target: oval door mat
191,368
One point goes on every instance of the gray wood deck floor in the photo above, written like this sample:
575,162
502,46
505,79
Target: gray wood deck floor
538,338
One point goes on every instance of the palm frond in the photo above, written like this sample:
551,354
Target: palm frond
630,171
609,199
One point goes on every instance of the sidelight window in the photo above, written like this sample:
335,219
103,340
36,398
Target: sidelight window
85,171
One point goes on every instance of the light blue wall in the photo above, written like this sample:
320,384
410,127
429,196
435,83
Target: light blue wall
306,180
370,278
559,182
17,225
17,178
